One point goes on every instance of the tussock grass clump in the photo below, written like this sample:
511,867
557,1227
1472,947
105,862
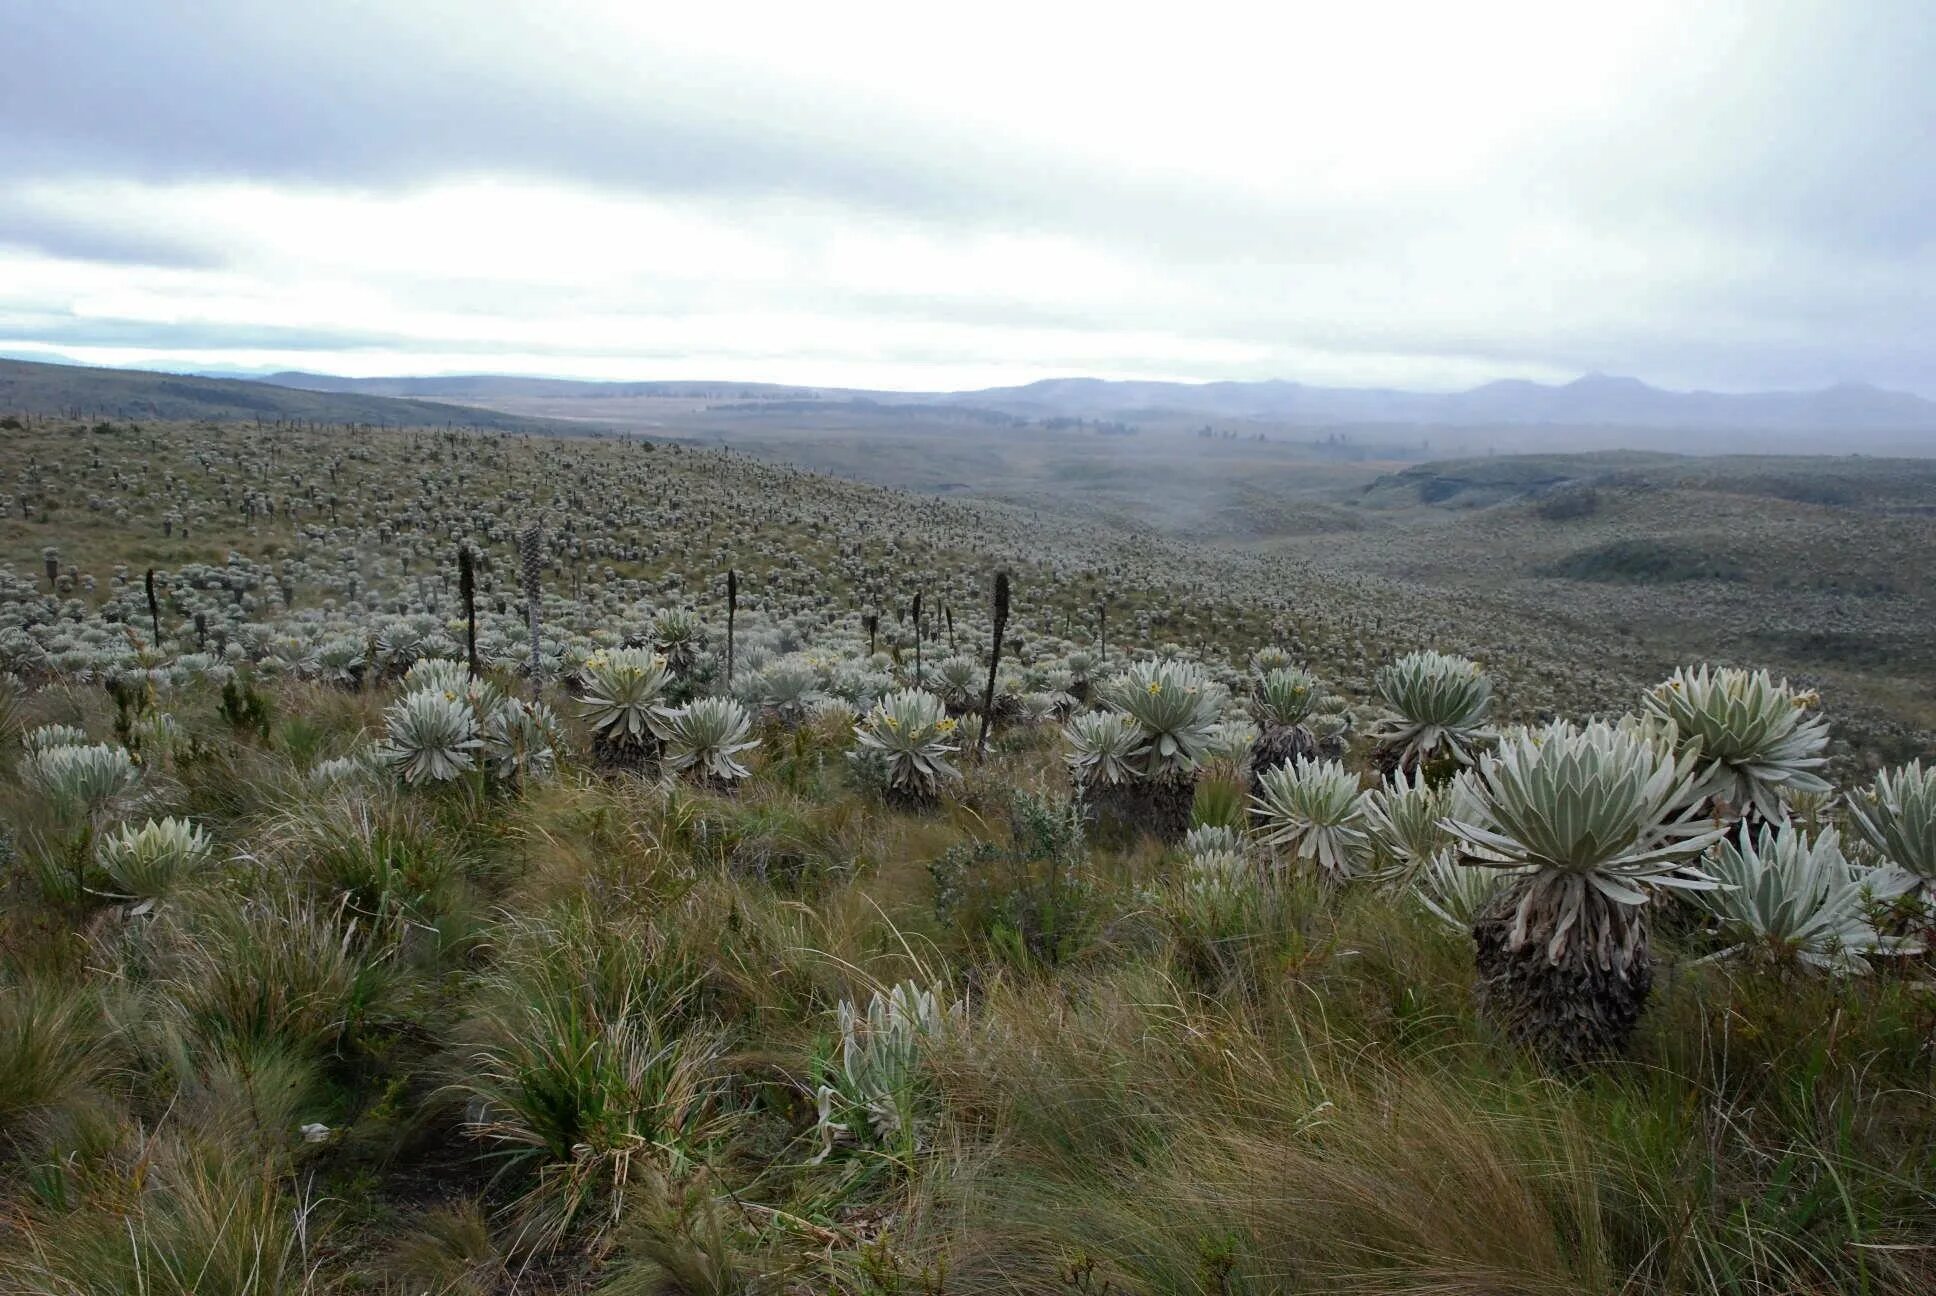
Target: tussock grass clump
588,1050
177,1217
55,1057
395,869
282,969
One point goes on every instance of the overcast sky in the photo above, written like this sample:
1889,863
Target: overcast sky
1725,195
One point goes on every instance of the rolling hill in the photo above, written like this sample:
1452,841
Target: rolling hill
27,387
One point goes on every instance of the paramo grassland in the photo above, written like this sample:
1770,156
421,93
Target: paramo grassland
1295,928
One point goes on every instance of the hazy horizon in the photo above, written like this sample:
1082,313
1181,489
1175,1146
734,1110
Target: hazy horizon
380,372
1731,199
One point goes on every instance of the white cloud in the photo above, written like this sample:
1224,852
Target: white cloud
1406,194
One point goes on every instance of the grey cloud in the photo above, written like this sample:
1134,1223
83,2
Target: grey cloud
1814,135
83,331
298,94
103,239
1821,122
1818,126
294,92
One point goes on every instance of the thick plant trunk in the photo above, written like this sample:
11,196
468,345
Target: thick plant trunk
908,797
1280,745
713,783
1007,709
639,755
1439,767
1163,807
1578,1010
1109,807
1390,760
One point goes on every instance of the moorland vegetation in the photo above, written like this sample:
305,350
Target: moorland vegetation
476,863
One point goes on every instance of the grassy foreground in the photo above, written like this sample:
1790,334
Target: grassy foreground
586,1035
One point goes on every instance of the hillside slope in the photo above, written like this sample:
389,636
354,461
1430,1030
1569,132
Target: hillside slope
81,392
356,940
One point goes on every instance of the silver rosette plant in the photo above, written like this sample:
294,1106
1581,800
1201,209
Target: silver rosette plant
1594,818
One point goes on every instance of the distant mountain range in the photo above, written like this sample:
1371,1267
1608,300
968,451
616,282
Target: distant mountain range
1593,401
506,402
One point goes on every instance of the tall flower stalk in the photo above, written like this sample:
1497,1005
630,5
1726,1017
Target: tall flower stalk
531,563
